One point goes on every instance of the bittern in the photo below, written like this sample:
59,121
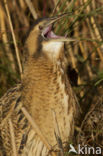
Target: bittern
44,90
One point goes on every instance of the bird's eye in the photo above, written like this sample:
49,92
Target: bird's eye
40,27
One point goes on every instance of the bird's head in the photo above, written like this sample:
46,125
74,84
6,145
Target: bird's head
42,40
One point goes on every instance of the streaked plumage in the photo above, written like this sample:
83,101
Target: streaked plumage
44,87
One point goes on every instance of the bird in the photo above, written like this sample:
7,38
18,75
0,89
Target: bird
44,90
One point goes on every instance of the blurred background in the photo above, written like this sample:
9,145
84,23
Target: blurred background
85,57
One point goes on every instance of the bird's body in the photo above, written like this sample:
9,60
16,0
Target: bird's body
44,88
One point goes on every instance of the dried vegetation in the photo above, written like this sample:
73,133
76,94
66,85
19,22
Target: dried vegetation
85,23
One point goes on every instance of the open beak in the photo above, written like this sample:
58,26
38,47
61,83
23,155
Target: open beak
48,33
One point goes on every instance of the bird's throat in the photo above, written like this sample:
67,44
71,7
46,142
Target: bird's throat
53,49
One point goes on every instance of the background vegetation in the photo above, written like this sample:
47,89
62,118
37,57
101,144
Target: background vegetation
85,22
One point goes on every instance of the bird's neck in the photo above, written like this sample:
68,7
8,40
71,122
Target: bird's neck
41,79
